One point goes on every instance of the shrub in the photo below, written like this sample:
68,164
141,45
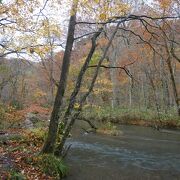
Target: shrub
9,117
35,136
108,128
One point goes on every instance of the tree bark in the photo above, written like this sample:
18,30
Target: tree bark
168,61
165,87
53,126
114,80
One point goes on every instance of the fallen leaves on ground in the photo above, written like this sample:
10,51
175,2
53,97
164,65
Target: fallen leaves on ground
22,153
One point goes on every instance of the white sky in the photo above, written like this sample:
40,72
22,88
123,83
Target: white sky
59,13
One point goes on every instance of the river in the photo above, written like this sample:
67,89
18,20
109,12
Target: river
140,153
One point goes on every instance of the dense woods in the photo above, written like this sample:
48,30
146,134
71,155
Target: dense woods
102,62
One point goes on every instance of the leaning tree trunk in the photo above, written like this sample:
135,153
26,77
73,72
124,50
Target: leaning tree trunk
83,99
53,126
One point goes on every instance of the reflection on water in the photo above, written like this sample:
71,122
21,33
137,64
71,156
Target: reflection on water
140,153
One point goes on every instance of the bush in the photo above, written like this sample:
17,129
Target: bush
9,117
35,136
108,128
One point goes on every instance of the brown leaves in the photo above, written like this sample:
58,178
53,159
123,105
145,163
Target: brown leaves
23,156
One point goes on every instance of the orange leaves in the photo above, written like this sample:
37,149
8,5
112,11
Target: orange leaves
35,108
103,41
22,157
164,3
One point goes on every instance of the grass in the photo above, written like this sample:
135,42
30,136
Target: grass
52,165
108,128
145,117
14,175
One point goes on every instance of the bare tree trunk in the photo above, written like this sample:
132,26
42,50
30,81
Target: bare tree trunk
165,87
168,60
51,78
130,92
154,91
114,80
53,126
173,84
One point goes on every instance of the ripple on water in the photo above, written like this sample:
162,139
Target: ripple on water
102,155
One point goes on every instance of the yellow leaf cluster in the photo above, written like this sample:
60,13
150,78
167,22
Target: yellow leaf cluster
104,82
164,4
39,94
76,106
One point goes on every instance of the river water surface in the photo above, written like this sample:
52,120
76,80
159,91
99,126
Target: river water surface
138,153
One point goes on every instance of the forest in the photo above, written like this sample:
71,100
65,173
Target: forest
90,89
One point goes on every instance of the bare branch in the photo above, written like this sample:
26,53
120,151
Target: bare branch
116,67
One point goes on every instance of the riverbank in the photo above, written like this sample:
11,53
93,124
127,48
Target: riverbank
147,118
20,146
20,156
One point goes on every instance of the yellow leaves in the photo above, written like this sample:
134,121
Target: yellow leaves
14,10
98,91
108,10
49,29
103,16
76,106
103,10
19,12
41,50
103,85
122,8
164,3
104,82
18,49
96,1
31,10
39,93
74,7
20,2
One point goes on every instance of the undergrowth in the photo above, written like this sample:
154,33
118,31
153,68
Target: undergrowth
52,165
129,116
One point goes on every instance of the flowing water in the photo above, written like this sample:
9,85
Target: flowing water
138,153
